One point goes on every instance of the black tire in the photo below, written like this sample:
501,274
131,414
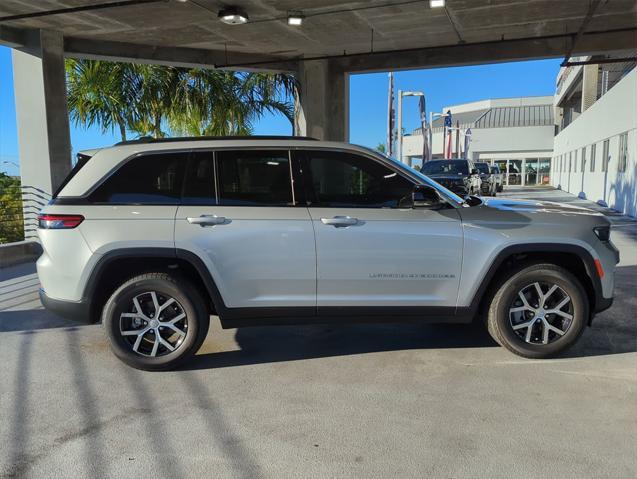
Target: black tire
188,299
503,295
500,189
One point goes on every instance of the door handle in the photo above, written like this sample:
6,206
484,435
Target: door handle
207,220
340,221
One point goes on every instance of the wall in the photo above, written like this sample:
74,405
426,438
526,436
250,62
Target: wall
612,115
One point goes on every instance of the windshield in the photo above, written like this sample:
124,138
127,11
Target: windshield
482,168
445,167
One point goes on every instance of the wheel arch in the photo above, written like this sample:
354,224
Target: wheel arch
118,265
574,258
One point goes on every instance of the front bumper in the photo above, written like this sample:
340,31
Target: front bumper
74,310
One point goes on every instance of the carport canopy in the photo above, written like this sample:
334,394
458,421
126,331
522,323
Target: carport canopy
335,39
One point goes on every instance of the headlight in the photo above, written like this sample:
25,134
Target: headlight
603,233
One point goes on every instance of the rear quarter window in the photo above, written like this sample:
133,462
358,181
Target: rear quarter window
154,179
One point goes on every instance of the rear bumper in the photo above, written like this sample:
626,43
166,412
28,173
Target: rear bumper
74,310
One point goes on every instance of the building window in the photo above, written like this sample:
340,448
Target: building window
623,152
583,153
605,155
575,161
593,146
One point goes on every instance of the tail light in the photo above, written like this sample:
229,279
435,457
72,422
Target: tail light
59,222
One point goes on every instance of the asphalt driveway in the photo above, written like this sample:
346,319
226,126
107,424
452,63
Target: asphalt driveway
321,401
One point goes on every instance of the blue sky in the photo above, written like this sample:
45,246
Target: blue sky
368,100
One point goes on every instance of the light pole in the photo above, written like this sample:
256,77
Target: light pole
401,94
433,115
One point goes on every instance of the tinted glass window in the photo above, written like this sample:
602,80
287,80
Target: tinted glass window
346,180
445,167
258,178
199,186
482,167
149,179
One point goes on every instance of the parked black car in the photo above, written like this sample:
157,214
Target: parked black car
488,182
459,176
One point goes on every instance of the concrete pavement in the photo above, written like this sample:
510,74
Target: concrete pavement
320,401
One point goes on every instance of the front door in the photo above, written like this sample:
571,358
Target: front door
370,250
255,240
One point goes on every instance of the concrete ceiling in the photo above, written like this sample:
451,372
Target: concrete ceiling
331,27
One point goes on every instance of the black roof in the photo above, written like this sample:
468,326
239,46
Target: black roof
150,139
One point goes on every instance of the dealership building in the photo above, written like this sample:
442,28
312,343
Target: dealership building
582,140
514,133
595,148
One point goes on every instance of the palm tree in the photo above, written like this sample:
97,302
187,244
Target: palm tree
101,93
147,98
216,102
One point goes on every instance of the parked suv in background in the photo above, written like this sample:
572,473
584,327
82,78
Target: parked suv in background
459,176
155,236
487,180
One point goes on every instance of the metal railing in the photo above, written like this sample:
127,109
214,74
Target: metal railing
19,213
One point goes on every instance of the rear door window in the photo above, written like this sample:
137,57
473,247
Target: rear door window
199,184
254,178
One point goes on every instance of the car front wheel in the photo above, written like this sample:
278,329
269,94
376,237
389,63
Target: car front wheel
538,312
154,322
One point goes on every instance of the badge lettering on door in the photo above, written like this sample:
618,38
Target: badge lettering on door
411,276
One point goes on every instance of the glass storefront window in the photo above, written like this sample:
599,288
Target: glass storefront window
544,171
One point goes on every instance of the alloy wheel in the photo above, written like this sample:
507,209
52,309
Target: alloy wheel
541,313
155,324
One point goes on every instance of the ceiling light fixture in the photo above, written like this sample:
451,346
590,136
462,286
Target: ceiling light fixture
233,16
295,19
436,3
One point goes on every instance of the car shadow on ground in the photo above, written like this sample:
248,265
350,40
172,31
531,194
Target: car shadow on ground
613,332
270,344
31,320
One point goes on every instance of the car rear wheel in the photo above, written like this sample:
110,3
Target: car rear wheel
154,322
538,312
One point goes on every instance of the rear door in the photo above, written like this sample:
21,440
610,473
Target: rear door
239,214
371,251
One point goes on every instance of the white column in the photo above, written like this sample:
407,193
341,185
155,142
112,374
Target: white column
42,119
322,102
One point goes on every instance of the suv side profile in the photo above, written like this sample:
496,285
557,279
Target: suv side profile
153,237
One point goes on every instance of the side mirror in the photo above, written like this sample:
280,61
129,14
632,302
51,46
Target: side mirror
475,172
425,196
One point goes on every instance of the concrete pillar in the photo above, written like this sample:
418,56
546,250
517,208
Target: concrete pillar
589,86
41,112
322,101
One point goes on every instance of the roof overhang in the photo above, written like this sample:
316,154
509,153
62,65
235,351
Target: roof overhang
359,36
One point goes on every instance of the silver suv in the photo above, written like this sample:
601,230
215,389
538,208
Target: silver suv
154,236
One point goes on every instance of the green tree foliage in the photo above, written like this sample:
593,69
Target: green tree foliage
11,221
152,100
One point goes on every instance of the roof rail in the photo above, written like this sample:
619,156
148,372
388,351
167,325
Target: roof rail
150,139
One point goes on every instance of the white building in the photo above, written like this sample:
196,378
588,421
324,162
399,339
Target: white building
514,133
595,149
